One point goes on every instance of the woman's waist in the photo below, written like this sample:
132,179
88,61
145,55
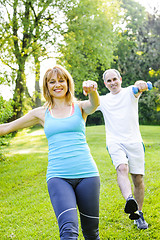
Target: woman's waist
71,165
68,150
66,136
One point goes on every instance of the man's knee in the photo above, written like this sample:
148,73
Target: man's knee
122,169
137,180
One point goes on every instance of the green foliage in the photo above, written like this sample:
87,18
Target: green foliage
138,55
89,40
26,211
28,28
134,16
89,46
6,110
149,112
129,59
95,119
150,44
139,46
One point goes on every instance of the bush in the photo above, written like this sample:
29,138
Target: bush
95,119
148,108
6,112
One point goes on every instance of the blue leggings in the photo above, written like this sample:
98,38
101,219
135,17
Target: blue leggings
66,195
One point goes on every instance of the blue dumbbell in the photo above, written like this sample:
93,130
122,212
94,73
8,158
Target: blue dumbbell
136,90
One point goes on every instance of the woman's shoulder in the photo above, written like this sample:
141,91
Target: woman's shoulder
39,111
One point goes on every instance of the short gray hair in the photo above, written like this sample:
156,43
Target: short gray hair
116,71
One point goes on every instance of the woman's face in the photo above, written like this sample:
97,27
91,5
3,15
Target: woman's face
57,86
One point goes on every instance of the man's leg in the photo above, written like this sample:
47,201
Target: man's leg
131,205
123,180
139,196
138,189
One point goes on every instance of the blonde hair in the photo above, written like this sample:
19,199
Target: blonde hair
61,72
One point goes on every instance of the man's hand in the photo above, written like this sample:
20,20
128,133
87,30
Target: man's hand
141,85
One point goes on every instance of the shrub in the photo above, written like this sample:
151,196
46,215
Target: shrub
6,112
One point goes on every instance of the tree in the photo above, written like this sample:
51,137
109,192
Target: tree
89,40
27,29
128,55
139,46
151,45
149,112
6,112
138,53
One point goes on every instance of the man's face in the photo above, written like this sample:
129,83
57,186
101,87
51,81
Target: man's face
113,82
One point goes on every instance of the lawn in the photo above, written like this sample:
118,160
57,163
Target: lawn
25,208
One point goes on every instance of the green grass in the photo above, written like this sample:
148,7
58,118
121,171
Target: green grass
25,208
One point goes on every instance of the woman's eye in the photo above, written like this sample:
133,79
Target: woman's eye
61,80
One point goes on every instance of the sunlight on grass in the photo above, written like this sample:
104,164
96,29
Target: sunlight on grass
28,141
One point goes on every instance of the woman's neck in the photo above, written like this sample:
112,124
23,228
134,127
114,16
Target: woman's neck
62,110
60,104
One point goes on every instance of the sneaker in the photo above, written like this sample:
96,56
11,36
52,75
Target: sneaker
134,216
141,223
131,207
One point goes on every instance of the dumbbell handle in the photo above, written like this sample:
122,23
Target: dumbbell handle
136,90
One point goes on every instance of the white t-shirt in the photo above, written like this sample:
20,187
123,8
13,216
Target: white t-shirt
120,112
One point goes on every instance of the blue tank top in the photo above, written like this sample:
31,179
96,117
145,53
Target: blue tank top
69,155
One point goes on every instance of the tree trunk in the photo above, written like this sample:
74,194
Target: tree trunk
19,93
37,78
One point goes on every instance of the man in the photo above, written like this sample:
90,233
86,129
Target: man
124,141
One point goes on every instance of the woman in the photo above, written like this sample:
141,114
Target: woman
72,175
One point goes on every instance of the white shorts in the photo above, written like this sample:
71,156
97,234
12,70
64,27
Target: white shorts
131,154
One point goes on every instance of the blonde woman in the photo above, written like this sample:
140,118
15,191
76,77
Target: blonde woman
72,175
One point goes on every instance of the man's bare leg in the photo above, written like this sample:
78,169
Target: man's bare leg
131,205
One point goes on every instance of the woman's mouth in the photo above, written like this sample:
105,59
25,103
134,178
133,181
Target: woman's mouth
58,90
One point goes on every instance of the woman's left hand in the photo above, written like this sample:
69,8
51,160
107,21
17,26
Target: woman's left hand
89,86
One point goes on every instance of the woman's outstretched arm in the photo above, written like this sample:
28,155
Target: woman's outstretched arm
35,116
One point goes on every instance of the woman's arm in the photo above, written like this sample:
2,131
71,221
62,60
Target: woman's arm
89,106
35,116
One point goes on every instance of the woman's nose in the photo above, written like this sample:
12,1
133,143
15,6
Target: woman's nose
57,83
